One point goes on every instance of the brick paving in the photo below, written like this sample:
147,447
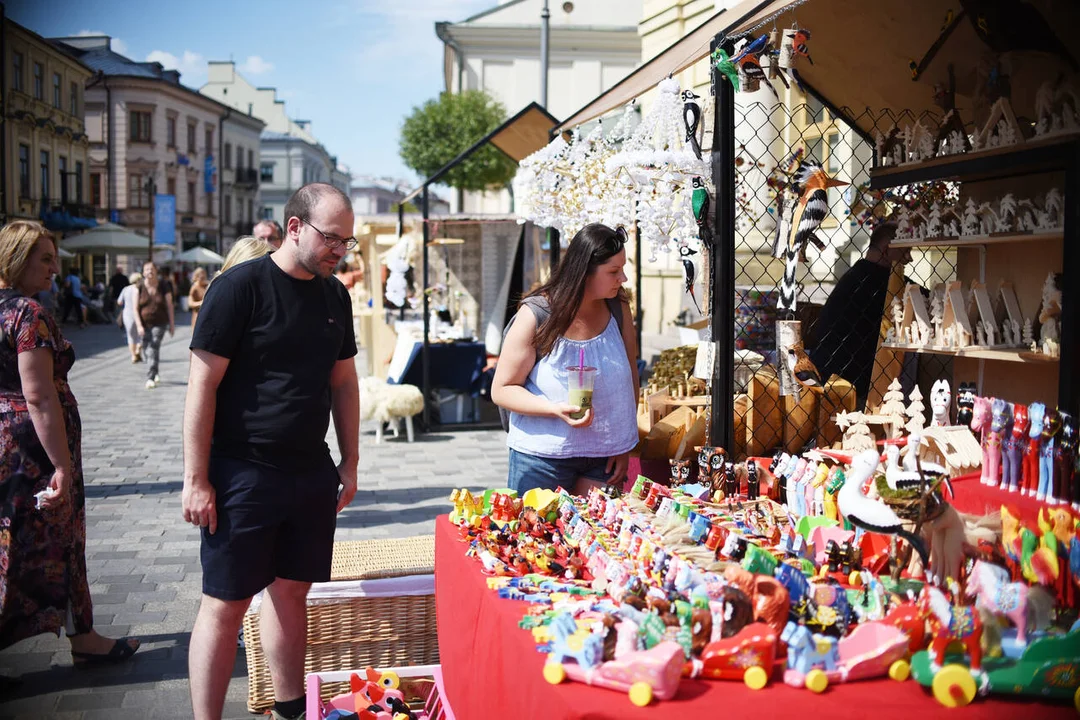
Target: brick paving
143,559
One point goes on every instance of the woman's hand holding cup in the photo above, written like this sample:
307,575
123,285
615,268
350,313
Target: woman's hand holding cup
566,413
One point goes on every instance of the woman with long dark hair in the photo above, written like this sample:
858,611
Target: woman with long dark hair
581,313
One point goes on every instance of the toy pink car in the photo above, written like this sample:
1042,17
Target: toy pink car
873,649
644,674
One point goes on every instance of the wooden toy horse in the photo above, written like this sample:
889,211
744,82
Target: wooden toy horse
568,641
806,651
910,618
1027,607
950,622
981,415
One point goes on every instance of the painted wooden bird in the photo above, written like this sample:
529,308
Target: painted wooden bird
806,218
806,374
748,61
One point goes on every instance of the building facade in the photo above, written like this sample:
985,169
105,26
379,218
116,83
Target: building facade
241,160
591,47
44,143
290,155
149,135
380,196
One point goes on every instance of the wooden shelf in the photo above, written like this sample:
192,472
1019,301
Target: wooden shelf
1005,354
979,240
1030,156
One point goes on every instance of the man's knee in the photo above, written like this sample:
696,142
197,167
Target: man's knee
228,612
289,590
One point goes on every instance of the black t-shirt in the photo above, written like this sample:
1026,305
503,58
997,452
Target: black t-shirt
847,330
282,337
117,284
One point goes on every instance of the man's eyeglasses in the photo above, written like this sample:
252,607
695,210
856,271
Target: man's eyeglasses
332,241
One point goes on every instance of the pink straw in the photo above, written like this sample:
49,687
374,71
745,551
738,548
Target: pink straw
581,366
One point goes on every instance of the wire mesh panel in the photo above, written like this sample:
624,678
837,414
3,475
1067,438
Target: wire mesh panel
834,353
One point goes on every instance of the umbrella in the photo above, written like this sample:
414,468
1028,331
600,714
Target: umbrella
108,238
200,256
62,253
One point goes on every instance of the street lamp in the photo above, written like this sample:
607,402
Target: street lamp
545,31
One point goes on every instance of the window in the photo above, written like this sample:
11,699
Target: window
61,167
170,186
210,204
250,217
17,73
74,100
268,213
228,156
78,182
191,138
45,175
39,81
239,160
137,195
95,189
266,173
239,210
209,141
24,171
815,111
191,195
170,133
228,210
251,159
57,93
140,126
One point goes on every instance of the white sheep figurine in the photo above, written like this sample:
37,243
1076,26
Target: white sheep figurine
386,403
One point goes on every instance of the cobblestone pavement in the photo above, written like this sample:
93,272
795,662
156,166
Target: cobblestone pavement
143,559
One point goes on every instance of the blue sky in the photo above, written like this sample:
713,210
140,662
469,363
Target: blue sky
355,68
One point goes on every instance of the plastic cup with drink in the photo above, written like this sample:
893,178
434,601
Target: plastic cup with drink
579,382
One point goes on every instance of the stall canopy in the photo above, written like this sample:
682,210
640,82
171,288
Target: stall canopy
862,53
518,138
108,238
200,256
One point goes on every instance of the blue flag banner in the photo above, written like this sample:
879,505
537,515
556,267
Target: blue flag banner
164,219
209,175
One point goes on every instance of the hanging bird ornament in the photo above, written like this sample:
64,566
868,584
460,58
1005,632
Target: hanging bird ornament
793,45
803,368
748,61
807,216
691,273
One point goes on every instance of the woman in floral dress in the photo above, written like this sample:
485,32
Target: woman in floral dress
43,584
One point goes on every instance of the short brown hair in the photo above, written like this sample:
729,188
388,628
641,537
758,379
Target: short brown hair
17,241
304,200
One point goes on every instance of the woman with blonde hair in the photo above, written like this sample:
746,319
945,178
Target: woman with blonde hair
128,301
199,283
43,583
246,247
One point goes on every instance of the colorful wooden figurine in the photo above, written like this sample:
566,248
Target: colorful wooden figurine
731,481
1028,608
1012,453
1051,428
753,484
807,215
965,403
1036,413
981,415
1065,461
1000,419
711,467
748,655
950,622
680,472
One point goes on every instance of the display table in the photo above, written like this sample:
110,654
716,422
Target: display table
492,670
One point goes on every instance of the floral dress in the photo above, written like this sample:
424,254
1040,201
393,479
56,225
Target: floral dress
42,553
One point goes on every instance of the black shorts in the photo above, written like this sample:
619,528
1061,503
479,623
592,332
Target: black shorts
271,524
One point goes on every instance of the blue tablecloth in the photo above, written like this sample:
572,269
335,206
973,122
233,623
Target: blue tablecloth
452,366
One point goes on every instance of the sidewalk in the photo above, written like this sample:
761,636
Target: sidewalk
143,560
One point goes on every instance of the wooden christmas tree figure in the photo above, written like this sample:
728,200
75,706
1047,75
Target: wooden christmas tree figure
892,407
937,313
934,226
858,437
1006,214
915,410
970,223
1029,334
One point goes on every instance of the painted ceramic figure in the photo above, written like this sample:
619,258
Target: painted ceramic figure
731,481
1000,419
940,402
965,402
680,472
1065,461
1036,412
711,467
753,484
1051,428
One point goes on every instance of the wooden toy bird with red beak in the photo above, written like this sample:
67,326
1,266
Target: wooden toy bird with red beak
806,218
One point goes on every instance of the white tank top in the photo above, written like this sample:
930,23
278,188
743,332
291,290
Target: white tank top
614,427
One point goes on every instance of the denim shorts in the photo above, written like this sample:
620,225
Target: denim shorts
271,524
531,471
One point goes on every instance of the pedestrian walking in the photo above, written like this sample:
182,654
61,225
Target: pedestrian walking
272,358
128,300
155,316
43,583
199,284
73,298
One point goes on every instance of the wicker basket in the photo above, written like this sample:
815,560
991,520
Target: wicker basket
361,631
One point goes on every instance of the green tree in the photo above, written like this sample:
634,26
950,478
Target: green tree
440,130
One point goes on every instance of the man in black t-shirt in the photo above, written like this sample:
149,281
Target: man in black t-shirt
848,328
271,361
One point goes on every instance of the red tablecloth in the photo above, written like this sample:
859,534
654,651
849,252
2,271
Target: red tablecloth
492,670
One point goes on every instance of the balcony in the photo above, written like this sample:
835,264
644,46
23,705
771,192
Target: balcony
247,176
65,216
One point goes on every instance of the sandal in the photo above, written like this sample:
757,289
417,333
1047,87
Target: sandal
121,650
